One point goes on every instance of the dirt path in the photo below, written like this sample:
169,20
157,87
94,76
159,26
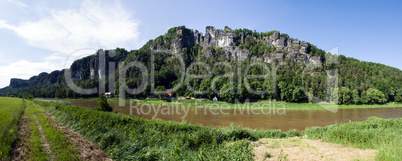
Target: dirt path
21,148
86,149
45,143
307,149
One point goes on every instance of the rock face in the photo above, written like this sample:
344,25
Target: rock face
16,83
226,39
197,36
275,36
89,67
280,43
182,41
93,65
303,48
315,60
209,38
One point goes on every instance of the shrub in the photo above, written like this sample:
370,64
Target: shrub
103,105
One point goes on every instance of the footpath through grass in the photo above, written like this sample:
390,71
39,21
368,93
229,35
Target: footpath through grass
60,146
30,140
11,110
35,137
125,137
384,135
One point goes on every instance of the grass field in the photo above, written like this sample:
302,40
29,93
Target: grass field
384,135
11,110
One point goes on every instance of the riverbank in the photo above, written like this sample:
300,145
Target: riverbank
259,104
384,135
126,137
300,148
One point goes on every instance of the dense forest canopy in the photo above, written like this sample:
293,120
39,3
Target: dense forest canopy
289,70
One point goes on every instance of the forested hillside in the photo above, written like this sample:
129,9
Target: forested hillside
291,68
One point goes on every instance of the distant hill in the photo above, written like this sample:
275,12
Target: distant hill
295,68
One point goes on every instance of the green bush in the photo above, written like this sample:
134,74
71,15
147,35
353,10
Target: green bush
103,105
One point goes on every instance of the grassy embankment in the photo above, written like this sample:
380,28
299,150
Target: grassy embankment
11,110
126,137
263,104
384,135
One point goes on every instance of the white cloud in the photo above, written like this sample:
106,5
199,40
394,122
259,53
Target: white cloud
92,25
25,69
1,57
18,3
63,32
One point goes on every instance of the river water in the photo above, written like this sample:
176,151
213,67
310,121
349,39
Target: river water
268,118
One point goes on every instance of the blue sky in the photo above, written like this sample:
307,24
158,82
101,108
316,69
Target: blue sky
40,35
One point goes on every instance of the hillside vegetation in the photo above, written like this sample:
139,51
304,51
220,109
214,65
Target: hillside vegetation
293,68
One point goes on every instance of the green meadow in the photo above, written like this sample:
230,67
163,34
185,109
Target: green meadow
11,110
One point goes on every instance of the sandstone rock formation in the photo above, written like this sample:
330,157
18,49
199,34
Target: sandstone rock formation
286,47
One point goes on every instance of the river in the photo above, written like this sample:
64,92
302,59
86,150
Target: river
283,119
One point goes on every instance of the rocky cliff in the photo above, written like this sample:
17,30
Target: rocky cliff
282,46
231,43
228,40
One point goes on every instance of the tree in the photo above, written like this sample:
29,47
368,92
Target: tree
398,96
355,96
160,89
344,95
286,91
103,105
30,96
375,96
298,94
335,96
364,98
